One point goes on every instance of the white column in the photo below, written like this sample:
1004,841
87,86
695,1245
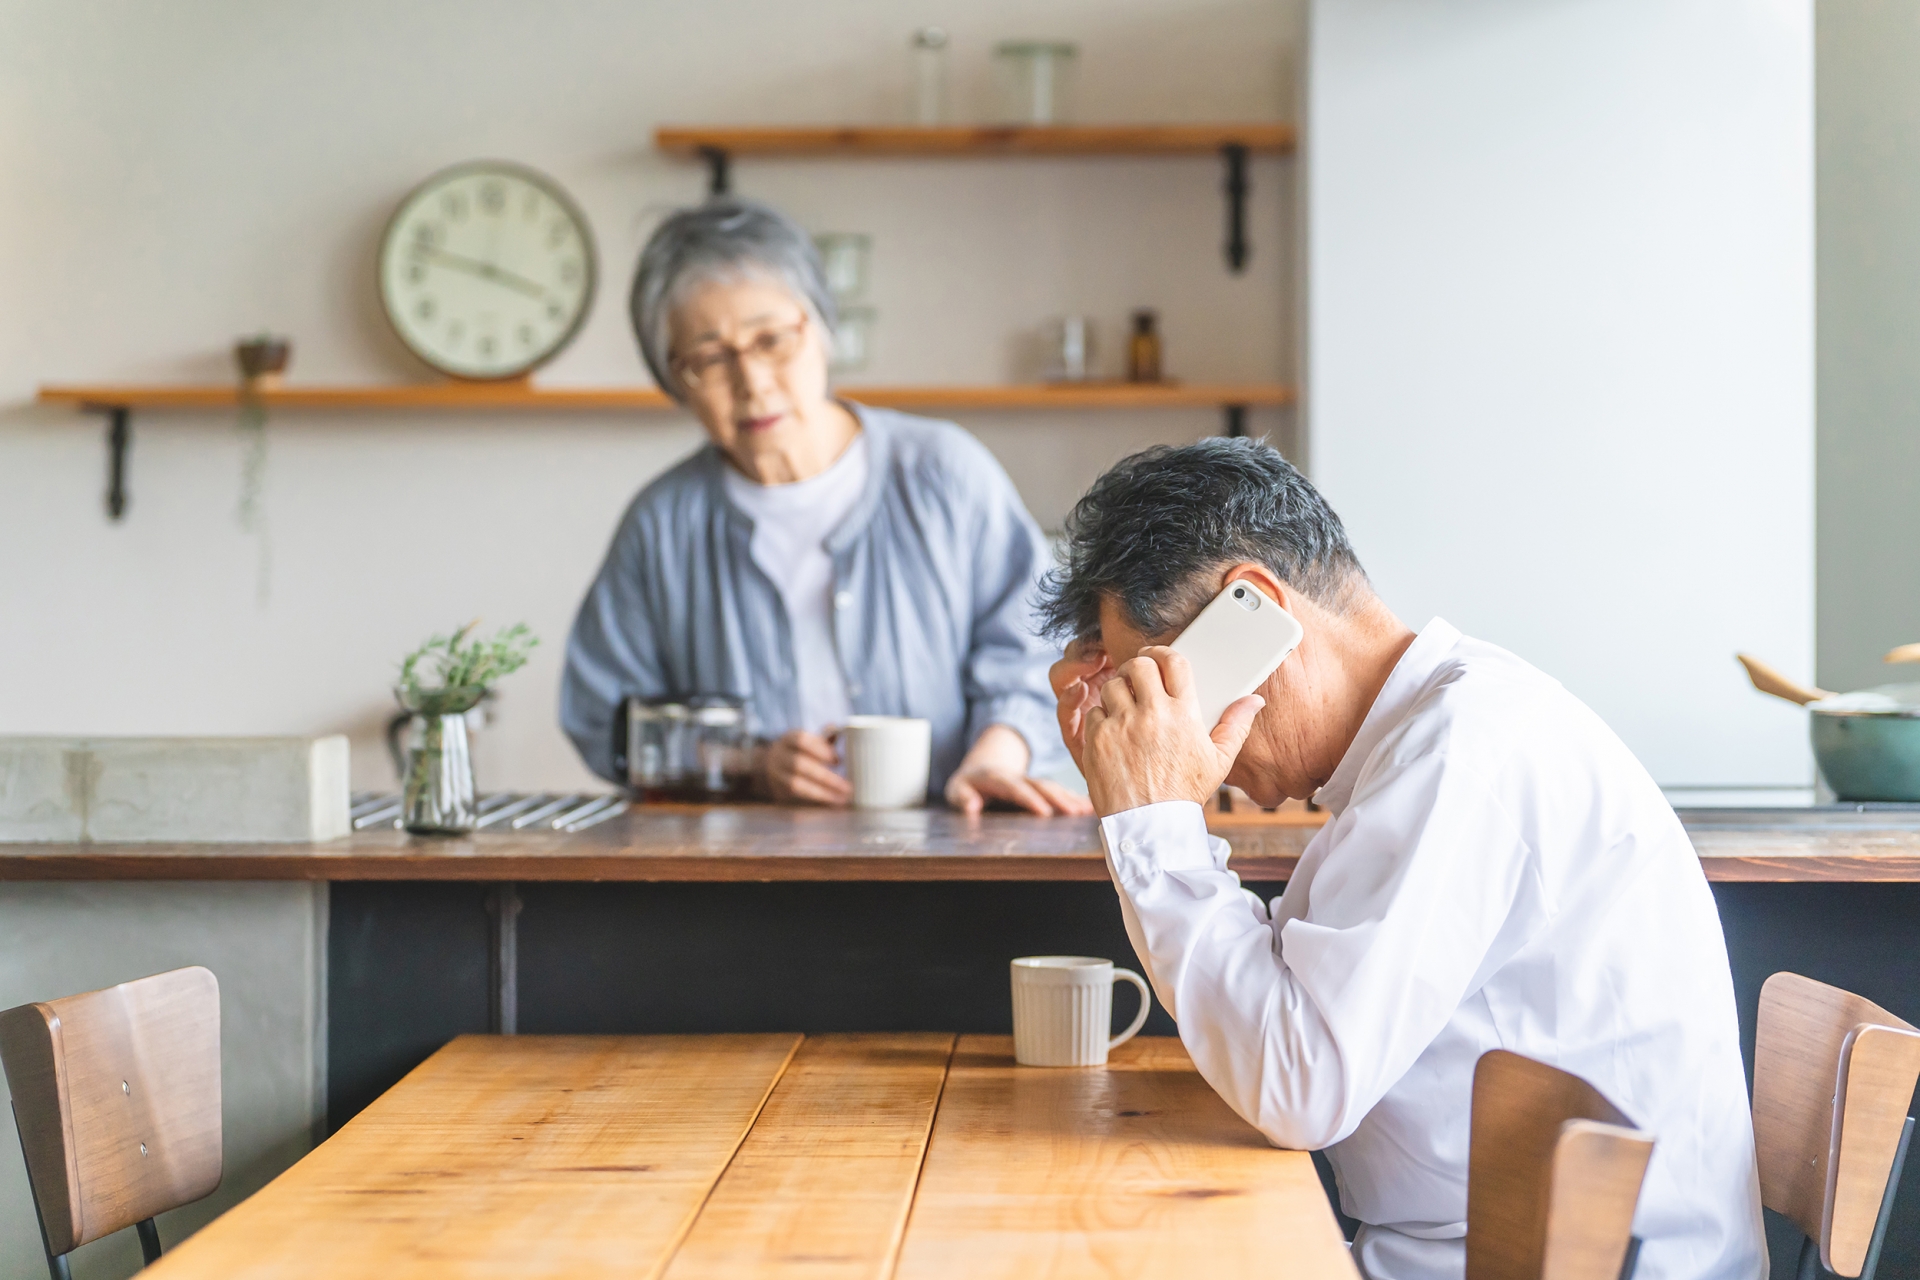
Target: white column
1560,344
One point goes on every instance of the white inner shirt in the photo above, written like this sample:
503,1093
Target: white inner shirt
791,524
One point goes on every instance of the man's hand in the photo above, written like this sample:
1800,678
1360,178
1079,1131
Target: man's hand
996,769
1076,679
798,768
1144,741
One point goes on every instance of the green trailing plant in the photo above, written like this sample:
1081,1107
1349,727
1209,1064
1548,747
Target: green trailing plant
450,674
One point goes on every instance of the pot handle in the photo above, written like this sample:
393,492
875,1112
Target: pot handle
1767,680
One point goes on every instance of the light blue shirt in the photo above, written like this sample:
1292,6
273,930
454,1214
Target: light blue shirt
935,570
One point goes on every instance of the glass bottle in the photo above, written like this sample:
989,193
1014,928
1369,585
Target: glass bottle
1143,348
929,76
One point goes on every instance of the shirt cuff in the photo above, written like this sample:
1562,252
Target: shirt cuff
1168,836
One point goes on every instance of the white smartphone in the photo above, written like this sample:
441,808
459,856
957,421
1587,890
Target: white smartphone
1239,639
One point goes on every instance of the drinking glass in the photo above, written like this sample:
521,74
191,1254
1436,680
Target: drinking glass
1036,80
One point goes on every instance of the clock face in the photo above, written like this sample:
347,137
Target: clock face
487,270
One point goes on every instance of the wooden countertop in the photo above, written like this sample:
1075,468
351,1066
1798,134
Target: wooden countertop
759,842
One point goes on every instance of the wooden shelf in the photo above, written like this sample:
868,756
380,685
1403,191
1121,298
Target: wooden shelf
119,401
978,140
526,396
717,145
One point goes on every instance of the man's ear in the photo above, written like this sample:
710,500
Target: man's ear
1266,580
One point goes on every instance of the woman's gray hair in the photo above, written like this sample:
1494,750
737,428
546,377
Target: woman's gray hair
725,238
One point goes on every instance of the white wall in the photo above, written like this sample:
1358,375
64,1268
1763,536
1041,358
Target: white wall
1560,345
180,175
1869,148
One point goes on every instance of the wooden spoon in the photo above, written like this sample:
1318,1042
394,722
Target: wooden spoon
1905,653
1767,680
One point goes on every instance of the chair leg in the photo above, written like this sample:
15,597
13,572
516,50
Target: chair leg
1809,1268
149,1240
56,1262
1886,1201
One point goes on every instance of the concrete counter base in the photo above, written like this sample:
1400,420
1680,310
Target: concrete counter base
265,942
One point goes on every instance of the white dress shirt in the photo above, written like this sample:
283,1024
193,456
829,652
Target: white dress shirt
1498,872
791,524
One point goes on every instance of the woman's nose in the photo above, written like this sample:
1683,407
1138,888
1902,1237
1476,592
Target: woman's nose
751,377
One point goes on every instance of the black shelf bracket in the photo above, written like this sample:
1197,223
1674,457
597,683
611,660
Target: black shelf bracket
719,171
1235,155
1236,415
119,435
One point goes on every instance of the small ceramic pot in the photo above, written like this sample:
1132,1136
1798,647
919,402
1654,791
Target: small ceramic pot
263,357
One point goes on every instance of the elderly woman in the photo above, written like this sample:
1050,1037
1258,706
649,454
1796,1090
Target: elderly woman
819,558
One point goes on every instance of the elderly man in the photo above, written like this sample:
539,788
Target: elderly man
1497,871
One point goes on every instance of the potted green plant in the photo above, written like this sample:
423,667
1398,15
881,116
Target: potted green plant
439,683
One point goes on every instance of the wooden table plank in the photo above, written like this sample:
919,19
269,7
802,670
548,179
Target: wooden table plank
821,1187
1136,1170
508,1156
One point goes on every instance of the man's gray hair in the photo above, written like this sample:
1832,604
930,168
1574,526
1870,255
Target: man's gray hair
723,239
1152,531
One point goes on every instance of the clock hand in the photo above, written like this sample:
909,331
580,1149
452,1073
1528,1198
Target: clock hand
485,270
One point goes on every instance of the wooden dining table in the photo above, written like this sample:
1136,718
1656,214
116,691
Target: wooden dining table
830,1157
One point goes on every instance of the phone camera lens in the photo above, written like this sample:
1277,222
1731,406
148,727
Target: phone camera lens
1239,593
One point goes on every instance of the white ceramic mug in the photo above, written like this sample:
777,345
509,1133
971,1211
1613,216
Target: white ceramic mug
1063,1009
888,758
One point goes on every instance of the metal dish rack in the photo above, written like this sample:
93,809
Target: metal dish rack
505,810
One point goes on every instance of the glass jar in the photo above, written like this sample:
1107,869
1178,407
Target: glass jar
843,261
853,339
438,795
1036,80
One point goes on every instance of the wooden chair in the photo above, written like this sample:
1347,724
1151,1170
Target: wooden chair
1553,1175
116,1095
1832,1076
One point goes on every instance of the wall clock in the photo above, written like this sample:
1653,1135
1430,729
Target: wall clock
487,270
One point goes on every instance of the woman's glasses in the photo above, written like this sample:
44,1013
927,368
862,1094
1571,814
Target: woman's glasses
709,365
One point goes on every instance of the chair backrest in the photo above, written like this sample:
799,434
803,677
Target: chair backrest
1833,1074
1553,1175
117,1096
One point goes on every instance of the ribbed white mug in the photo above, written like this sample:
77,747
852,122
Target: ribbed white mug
1063,1010
888,759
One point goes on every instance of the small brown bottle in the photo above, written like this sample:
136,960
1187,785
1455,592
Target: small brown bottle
1143,349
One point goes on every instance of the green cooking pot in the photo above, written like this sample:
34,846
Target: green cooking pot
1867,744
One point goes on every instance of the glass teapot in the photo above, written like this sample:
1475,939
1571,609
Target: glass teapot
689,749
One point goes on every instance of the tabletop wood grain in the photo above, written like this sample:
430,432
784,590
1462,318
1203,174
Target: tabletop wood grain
688,843
1136,1170
821,1186
508,1155
737,1156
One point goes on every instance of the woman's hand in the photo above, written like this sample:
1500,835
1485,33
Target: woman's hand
798,769
996,769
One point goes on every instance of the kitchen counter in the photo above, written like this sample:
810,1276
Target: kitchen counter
349,962
691,844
